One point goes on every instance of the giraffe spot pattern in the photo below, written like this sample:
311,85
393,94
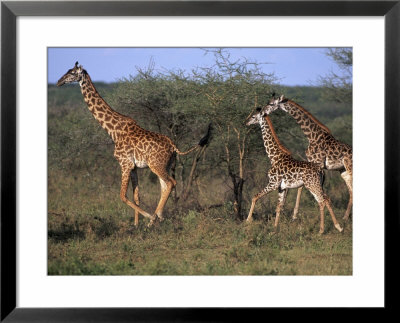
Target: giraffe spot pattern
134,146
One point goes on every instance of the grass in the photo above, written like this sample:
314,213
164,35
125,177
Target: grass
93,234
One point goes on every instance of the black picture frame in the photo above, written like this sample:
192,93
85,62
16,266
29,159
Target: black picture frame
10,10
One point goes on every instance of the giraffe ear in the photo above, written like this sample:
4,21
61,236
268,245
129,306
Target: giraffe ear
281,98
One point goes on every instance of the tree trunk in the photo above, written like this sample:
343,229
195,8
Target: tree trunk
238,196
191,174
239,181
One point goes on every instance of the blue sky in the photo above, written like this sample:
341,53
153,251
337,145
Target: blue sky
293,66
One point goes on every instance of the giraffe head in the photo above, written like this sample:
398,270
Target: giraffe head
274,104
75,74
256,117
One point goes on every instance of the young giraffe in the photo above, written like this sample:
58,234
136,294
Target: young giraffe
286,172
323,148
135,147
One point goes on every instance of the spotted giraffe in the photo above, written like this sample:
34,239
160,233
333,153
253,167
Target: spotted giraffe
287,172
323,148
135,147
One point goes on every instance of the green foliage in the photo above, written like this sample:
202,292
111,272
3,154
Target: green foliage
338,88
90,230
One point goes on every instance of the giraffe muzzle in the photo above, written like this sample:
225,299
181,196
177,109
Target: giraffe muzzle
60,82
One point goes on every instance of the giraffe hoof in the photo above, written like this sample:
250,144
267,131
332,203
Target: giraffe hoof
339,228
153,218
294,219
321,232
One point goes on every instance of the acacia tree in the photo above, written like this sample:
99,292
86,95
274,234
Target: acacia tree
338,88
231,88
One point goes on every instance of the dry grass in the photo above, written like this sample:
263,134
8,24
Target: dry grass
93,234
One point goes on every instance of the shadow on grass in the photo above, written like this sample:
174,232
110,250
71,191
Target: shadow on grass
101,227
65,233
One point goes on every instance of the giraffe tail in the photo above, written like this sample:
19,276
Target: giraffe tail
203,142
186,152
322,178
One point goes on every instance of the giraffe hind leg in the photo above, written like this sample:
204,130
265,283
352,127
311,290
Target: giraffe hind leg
323,200
167,184
135,188
348,178
299,191
335,222
124,188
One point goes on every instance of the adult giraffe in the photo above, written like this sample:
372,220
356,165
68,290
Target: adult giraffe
135,147
323,148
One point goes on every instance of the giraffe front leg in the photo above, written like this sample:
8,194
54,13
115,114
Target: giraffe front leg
135,188
124,188
253,203
265,191
322,217
281,201
296,207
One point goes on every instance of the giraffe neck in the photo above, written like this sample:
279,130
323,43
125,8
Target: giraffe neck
101,111
311,127
275,150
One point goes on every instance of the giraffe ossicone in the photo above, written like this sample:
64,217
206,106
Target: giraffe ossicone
135,147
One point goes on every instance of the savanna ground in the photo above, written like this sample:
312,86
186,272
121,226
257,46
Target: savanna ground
96,236
91,232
